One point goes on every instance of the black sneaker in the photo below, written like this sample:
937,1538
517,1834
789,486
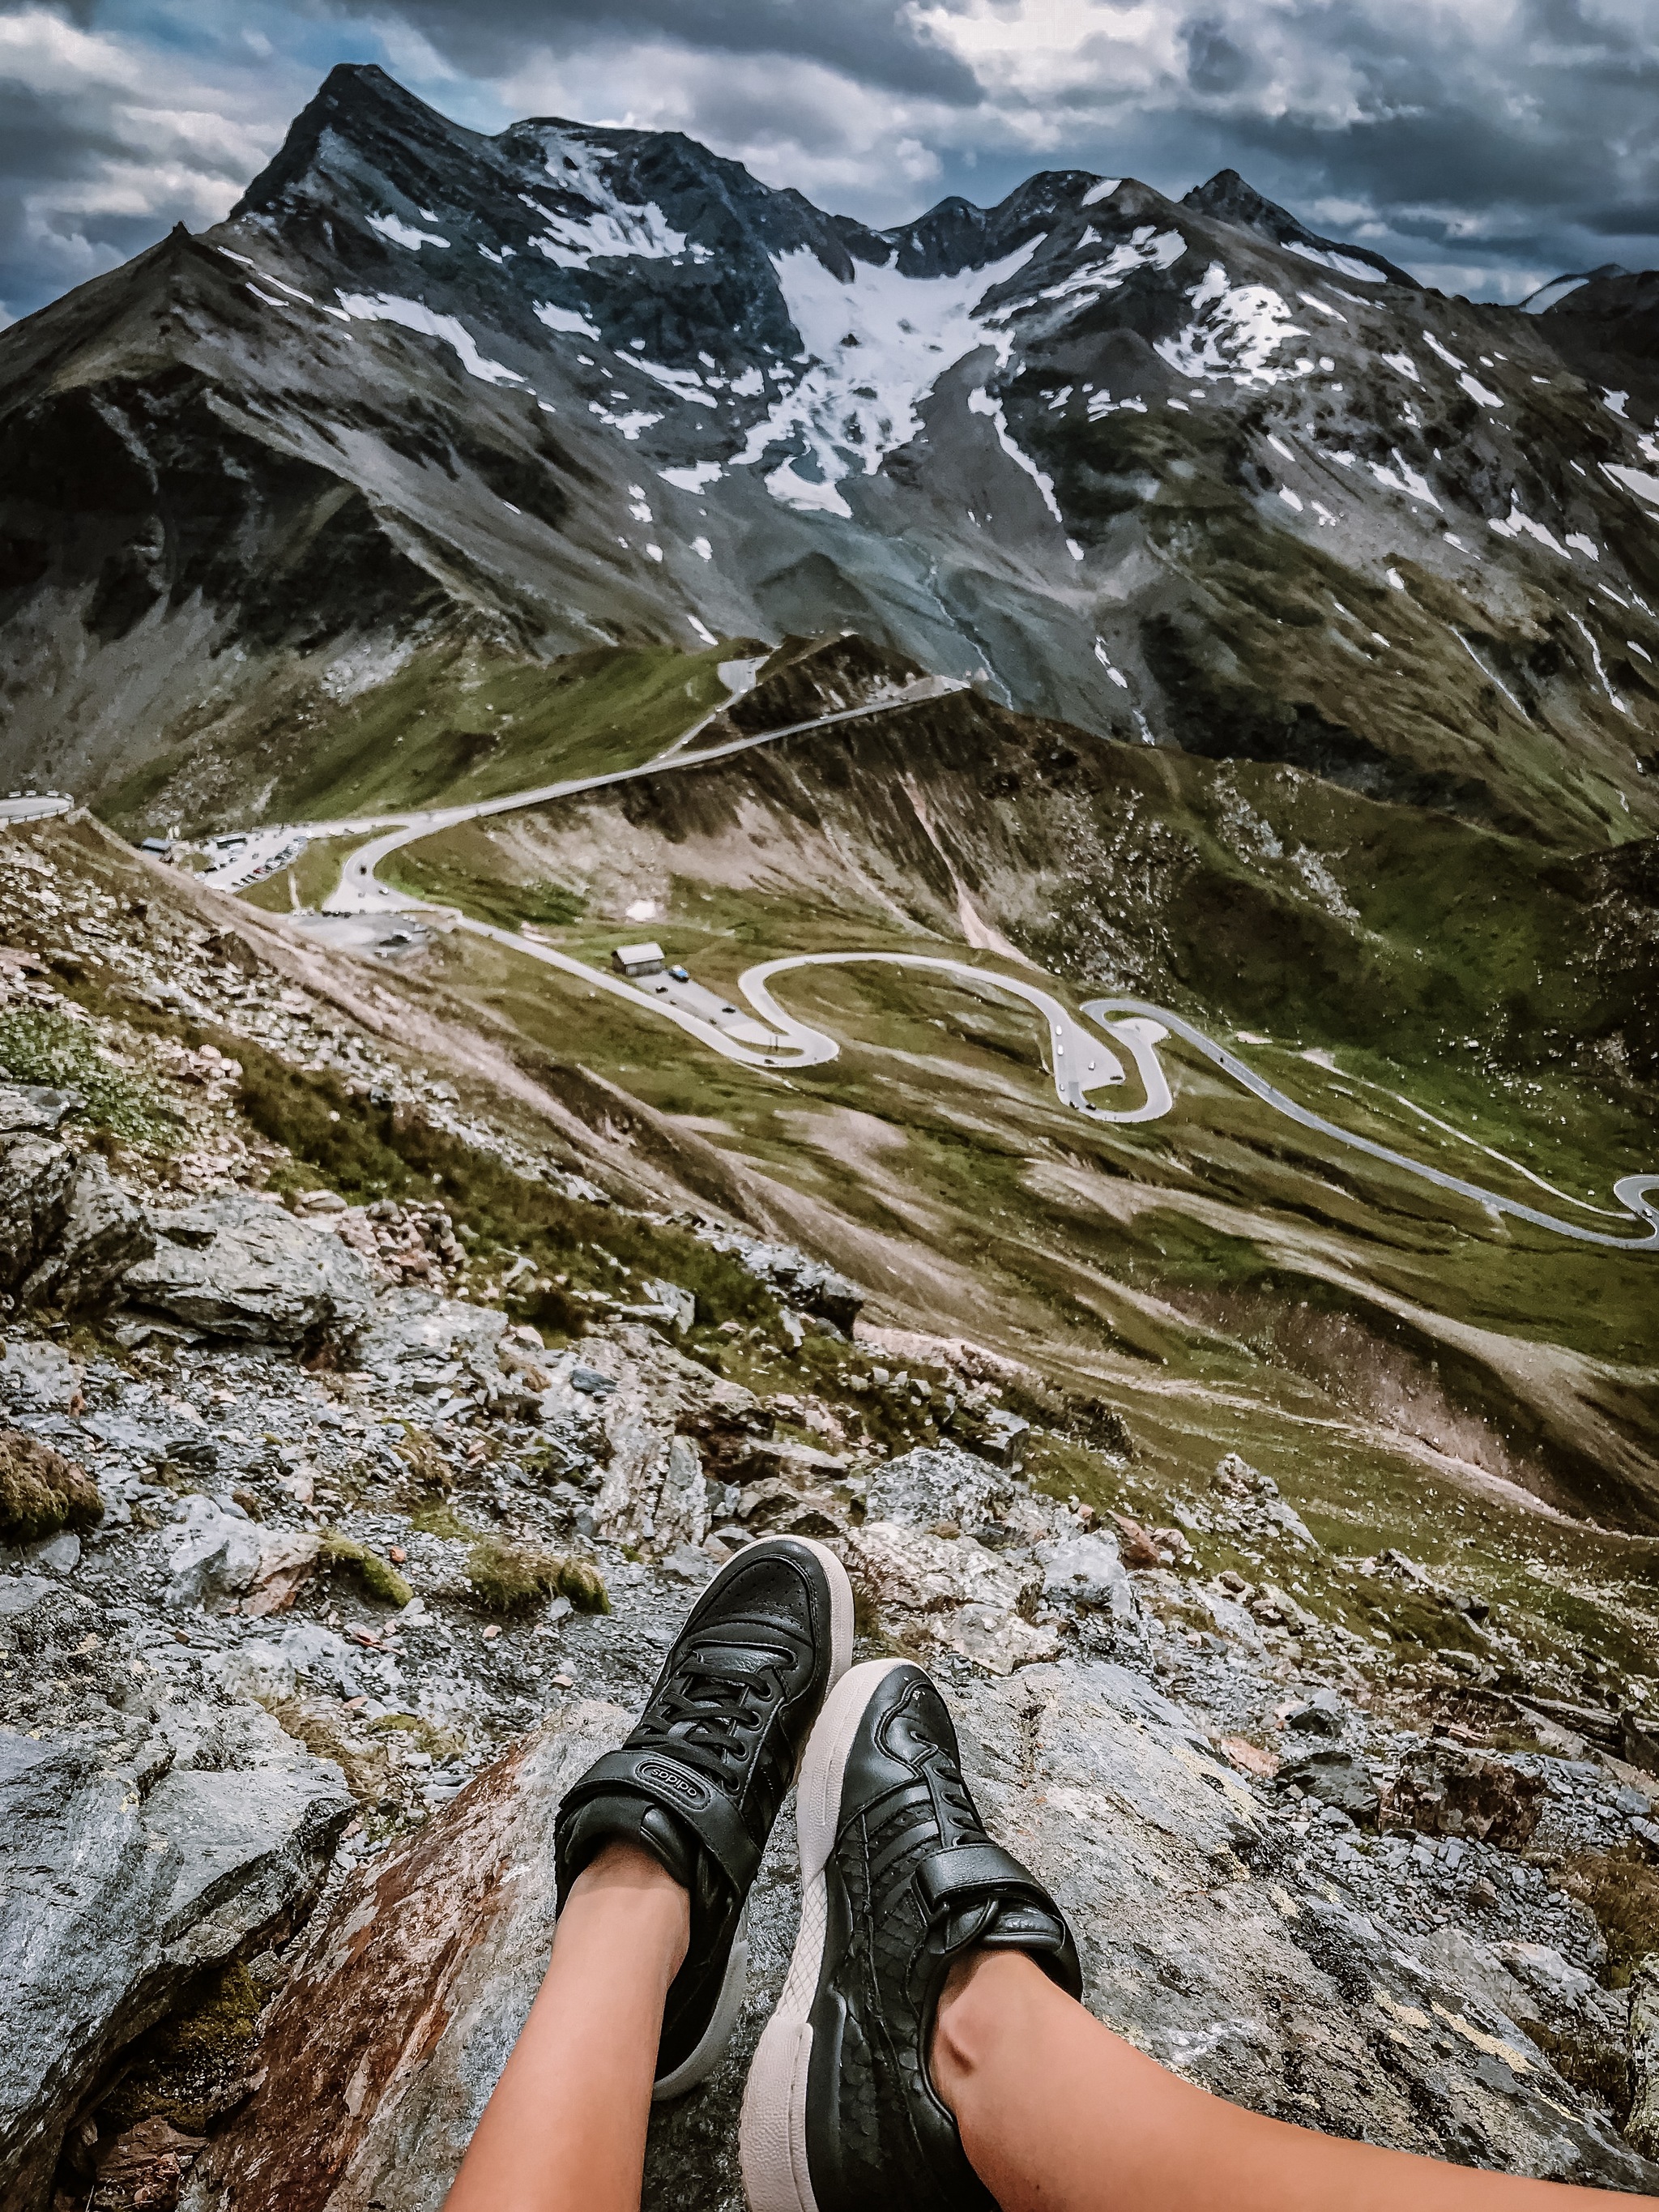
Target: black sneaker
699,1782
898,1879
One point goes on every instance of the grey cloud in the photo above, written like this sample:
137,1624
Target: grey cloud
1215,64
870,40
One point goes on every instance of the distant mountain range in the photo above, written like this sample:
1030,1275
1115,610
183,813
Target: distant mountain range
1181,474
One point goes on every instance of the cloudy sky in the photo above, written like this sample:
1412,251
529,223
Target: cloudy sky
1486,144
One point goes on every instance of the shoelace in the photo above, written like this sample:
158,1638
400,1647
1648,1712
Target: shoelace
705,1708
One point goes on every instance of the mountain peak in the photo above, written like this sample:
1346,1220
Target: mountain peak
358,104
1228,197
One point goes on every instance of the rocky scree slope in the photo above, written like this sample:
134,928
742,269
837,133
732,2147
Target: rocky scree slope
326,1569
1091,448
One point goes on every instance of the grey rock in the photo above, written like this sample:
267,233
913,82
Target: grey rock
1336,1777
413,1335
1642,2128
1003,1435
944,1484
37,1176
116,1901
34,1109
1086,1572
104,1232
238,1267
37,1374
217,1554
805,1282
21,1593
634,1397
305,1656
50,1555
679,1305
950,1594
1320,1716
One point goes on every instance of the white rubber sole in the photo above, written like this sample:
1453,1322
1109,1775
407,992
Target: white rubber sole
710,2048
772,2134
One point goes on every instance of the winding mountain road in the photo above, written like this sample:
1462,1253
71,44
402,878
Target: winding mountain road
1080,1062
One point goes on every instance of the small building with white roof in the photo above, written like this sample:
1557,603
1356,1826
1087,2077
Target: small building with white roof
637,960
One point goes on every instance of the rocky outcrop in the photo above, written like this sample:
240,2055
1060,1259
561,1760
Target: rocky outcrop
124,1882
1641,2128
386,2041
239,1266
383,2048
807,1283
1444,1790
637,1399
68,1231
103,1234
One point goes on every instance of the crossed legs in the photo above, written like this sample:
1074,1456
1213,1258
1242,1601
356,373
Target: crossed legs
1057,2114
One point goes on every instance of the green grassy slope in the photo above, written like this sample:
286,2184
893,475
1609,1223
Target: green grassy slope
456,722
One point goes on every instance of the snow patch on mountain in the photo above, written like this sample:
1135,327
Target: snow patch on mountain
1141,250
872,351
1445,353
1636,480
1403,477
566,319
1519,524
684,383
1103,191
979,402
416,315
1235,330
396,232
694,478
605,227
1344,265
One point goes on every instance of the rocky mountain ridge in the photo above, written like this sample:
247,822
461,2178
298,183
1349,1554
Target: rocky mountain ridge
1091,448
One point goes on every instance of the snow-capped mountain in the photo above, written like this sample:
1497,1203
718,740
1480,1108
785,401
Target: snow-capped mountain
1178,473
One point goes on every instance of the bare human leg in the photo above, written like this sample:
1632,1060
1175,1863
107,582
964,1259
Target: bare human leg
564,2130
1057,2114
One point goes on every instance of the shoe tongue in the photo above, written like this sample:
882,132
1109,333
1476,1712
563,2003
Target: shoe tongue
738,1660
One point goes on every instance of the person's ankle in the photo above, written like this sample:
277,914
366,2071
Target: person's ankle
621,1865
956,2026
624,1895
985,1991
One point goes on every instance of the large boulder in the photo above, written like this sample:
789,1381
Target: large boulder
117,1899
217,1553
391,2033
239,1266
942,1485
1445,1790
634,1399
935,1593
103,1233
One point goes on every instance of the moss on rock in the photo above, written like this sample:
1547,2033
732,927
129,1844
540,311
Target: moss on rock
510,1577
41,1491
379,1578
